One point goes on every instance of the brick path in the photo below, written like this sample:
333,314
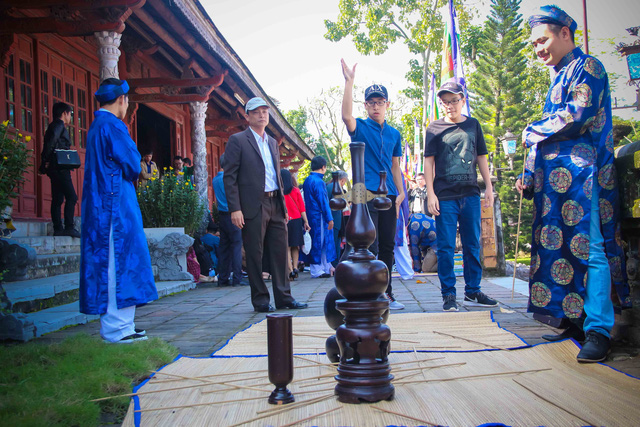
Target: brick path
200,321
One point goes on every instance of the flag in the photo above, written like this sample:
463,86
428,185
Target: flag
417,149
451,59
432,104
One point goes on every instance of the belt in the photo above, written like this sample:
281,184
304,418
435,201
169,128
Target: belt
273,193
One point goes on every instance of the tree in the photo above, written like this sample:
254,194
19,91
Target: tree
509,89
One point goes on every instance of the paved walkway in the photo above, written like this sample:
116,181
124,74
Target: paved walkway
200,321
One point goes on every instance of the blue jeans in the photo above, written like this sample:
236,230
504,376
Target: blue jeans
598,307
466,212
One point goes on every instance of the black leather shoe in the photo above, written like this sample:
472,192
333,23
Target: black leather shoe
293,305
573,331
72,232
242,283
223,284
595,349
266,308
58,233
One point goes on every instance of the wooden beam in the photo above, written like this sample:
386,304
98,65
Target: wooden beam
161,81
13,25
225,122
150,22
169,99
73,4
226,97
219,134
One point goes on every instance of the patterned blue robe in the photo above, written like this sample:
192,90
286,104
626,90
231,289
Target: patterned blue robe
422,235
316,202
570,150
112,164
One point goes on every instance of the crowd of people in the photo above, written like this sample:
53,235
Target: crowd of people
263,215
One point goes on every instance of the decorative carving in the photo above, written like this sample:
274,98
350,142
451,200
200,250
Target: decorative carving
7,47
108,53
16,258
199,148
164,255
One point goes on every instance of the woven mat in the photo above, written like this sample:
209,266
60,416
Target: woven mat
470,331
454,389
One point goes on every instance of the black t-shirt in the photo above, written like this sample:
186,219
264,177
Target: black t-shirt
455,148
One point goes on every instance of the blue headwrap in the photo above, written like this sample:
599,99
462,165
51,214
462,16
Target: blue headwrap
552,15
108,93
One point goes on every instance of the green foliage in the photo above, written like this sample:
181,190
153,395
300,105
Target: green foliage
625,131
52,384
170,201
15,157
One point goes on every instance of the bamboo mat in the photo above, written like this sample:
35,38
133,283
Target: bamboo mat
454,389
472,331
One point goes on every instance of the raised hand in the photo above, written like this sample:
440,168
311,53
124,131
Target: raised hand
349,73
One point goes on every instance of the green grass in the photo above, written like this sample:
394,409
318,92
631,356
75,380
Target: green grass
52,384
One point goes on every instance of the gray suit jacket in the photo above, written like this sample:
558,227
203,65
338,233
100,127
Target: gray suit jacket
244,173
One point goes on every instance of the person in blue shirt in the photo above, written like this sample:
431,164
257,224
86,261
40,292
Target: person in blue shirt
383,149
115,265
230,262
211,242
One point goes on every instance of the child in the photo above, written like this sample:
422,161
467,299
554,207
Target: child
211,242
453,147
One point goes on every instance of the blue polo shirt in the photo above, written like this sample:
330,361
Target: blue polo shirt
382,142
218,189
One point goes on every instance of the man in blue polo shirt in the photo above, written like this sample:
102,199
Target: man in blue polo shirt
383,149
230,237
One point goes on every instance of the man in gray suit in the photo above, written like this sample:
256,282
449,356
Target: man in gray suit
256,202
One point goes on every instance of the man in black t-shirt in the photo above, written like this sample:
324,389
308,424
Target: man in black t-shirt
454,145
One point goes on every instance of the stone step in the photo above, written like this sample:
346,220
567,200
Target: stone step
26,326
28,296
53,265
49,245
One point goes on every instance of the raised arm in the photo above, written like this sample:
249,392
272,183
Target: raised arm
347,98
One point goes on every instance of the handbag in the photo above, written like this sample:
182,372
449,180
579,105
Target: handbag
67,159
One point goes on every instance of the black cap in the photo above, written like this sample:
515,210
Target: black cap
376,90
451,87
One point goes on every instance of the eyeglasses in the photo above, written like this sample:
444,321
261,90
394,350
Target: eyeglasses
452,102
378,103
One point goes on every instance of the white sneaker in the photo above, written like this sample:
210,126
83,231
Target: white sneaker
129,339
393,304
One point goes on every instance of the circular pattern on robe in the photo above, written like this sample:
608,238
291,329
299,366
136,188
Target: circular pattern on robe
606,211
535,264
615,265
546,205
587,125
556,94
580,246
551,151
582,155
606,177
560,180
538,180
582,95
608,142
414,239
572,213
602,96
600,120
572,305
535,213
551,237
587,187
415,251
618,236
594,67
528,181
531,160
432,235
540,294
415,225
562,271
426,225
536,235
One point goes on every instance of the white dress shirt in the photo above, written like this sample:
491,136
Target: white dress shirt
270,177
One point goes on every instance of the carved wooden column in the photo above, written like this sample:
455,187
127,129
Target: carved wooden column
108,53
199,148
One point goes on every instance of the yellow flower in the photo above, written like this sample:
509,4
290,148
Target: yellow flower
165,168
180,173
5,123
20,135
170,168
27,138
4,157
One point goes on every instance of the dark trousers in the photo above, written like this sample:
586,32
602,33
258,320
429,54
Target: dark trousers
267,231
230,250
62,191
385,223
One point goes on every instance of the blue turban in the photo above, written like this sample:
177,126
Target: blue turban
552,15
107,93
